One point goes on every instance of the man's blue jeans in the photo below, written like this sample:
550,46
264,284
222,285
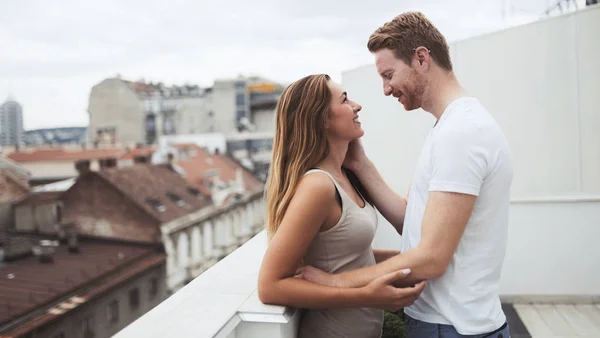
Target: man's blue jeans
418,329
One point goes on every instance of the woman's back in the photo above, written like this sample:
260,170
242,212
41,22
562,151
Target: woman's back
346,246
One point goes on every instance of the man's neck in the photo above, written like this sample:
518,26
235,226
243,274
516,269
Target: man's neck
441,92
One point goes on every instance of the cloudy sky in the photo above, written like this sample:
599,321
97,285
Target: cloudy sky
53,52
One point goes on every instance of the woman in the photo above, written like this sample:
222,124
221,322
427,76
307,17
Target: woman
318,214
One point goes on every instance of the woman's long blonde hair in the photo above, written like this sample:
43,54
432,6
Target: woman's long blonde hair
299,144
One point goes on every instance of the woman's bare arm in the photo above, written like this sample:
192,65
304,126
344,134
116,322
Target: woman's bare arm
309,209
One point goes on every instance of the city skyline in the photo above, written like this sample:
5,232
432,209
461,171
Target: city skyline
59,52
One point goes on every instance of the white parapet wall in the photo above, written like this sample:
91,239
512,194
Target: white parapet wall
541,82
220,303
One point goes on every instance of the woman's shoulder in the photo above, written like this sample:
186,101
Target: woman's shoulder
317,182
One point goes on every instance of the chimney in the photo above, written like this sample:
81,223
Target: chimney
140,159
109,162
73,243
82,166
47,251
239,179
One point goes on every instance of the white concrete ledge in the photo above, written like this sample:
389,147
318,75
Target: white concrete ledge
556,199
222,302
550,299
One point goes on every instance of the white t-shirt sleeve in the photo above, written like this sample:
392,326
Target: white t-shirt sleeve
459,161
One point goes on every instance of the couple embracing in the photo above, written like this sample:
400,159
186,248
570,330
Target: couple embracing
323,194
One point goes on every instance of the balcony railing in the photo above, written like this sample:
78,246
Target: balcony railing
222,302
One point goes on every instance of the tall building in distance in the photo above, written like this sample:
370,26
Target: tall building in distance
123,111
11,123
247,102
139,112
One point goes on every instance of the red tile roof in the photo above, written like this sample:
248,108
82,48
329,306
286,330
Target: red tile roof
142,182
131,154
251,182
12,187
6,163
63,155
27,285
197,165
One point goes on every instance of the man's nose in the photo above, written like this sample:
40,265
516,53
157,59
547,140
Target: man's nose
387,89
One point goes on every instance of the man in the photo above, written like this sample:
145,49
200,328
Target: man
454,225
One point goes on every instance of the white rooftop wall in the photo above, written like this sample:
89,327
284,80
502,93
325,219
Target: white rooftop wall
541,82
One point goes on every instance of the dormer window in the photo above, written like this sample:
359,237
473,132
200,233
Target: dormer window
156,204
176,199
194,192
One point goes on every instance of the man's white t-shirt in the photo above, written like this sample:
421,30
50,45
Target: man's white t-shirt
465,152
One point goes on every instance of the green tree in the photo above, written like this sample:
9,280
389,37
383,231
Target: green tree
393,325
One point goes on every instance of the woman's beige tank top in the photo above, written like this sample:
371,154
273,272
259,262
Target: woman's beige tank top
345,246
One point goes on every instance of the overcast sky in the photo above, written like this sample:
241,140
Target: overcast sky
53,52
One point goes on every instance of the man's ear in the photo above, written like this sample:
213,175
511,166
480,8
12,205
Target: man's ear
422,57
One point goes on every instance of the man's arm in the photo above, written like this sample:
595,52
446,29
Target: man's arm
445,219
391,205
382,255
459,165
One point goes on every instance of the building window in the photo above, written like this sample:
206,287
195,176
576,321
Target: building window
240,114
112,312
193,191
87,327
134,298
156,204
175,199
240,99
240,85
153,288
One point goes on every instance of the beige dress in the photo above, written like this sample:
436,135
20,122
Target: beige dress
346,246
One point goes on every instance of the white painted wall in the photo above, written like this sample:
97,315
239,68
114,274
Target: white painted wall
542,83
223,106
264,120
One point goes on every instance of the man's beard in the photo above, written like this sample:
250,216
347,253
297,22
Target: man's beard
413,92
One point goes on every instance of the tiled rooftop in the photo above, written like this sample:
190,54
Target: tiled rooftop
131,154
200,162
151,186
11,186
40,155
27,284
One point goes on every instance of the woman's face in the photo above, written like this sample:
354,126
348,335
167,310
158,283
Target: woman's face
343,120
